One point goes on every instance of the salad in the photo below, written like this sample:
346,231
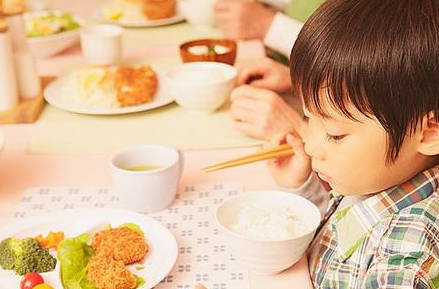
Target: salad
87,261
49,24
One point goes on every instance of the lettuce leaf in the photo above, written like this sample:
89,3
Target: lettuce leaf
133,227
140,281
74,255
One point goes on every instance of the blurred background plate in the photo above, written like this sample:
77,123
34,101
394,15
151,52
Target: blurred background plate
53,95
178,17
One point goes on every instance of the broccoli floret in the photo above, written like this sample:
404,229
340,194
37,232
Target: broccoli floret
7,259
25,256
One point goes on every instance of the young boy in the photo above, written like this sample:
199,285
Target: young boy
367,72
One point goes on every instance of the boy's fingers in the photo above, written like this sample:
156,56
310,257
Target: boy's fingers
296,143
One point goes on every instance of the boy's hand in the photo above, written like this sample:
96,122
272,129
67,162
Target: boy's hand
264,73
292,171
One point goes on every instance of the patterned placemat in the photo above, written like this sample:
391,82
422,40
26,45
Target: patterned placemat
203,257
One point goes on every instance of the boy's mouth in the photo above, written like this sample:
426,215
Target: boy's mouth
323,176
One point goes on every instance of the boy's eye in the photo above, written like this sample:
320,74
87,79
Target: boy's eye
335,138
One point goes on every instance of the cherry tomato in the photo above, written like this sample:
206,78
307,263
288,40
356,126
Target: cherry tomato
43,286
31,280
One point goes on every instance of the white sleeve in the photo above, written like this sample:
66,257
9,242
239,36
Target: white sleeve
314,191
279,4
282,33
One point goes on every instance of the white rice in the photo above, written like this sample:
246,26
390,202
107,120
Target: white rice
267,222
96,96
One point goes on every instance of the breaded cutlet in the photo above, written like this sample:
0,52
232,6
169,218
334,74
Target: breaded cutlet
135,85
121,244
106,273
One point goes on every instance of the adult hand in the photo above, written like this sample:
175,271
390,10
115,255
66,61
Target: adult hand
264,73
240,19
262,113
291,171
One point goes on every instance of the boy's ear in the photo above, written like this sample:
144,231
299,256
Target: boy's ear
429,143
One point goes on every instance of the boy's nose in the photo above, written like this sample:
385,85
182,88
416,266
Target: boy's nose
312,146
313,151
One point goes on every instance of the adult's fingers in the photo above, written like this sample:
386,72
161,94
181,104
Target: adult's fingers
265,83
249,129
224,5
252,93
246,72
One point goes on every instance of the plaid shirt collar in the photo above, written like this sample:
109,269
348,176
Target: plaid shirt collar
353,223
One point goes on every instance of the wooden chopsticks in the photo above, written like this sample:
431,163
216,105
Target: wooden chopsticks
279,151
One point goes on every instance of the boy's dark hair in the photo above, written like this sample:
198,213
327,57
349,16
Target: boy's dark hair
382,56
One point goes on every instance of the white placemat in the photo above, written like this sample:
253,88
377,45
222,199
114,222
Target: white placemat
203,257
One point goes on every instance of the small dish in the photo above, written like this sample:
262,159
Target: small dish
45,46
268,255
219,50
201,87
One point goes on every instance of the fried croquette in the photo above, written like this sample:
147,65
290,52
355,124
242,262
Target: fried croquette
121,244
106,273
135,85
159,9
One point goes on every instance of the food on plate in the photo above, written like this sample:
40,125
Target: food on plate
49,24
102,265
30,280
106,273
33,281
135,85
73,255
25,256
122,244
51,241
109,87
137,11
43,286
159,9
267,222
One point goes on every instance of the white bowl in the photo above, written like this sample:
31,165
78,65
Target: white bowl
45,46
201,87
268,256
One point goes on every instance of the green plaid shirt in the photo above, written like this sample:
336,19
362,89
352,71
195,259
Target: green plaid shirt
389,240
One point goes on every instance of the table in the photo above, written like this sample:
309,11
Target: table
19,170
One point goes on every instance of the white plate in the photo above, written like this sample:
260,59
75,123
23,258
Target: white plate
53,95
178,17
161,257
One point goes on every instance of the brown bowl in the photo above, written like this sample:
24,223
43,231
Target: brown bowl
209,50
